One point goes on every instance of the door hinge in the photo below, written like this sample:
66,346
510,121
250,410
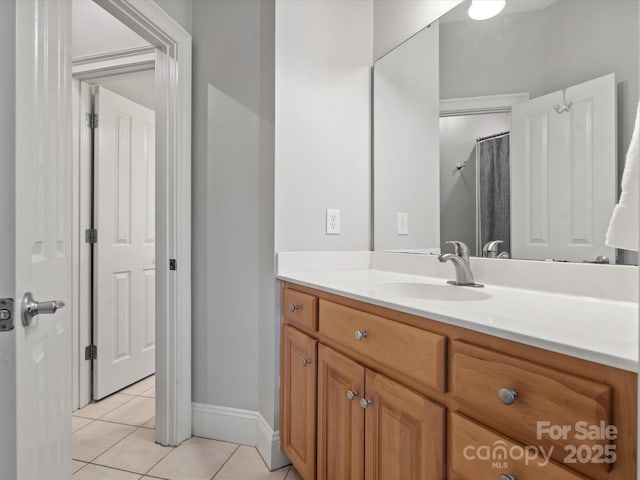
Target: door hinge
91,235
6,314
173,264
91,352
92,120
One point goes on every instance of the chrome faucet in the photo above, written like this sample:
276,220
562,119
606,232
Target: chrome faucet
490,250
460,260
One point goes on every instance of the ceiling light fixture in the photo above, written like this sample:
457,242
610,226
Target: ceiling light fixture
484,9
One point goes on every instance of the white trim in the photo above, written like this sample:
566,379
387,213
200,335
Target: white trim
235,425
173,210
480,105
112,63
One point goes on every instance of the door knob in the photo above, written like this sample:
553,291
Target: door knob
306,362
365,402
507,477
31,308
293,307
352,395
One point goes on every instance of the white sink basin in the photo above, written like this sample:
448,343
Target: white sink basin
429,291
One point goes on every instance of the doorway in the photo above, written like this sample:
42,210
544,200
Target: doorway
119,264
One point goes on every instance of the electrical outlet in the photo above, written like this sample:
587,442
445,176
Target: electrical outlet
333,221
402,220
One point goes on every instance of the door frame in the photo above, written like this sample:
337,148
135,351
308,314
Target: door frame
173,66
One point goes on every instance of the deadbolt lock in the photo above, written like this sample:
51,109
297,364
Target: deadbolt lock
6,314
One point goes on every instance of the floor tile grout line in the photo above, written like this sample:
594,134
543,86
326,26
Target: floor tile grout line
105,451
225,462
108,412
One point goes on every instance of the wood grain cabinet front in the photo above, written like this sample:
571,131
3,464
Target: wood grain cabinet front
478,453
300,309
298,401
531,403
370,427
412,355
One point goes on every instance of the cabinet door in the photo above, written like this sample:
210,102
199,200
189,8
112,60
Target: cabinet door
298,408
404,433
340,417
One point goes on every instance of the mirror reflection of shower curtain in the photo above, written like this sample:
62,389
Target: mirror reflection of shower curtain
493,191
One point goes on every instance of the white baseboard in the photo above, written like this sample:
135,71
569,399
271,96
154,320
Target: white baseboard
235,425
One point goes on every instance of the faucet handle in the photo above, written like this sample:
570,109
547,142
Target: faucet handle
460,248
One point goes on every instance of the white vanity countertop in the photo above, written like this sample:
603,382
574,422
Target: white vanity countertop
596,329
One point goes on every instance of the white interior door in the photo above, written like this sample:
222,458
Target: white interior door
564,167
43,237
124,256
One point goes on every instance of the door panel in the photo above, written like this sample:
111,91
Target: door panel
405,433
43,237
124,269
340,417
298,410
565,166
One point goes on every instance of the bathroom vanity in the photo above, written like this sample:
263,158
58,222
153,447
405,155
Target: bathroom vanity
393,376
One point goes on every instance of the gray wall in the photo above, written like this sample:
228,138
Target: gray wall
233,161
7,275
406,144
323,123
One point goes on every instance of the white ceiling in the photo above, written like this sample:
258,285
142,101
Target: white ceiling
95,31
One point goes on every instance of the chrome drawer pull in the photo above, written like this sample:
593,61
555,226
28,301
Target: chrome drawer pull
507,477
361,335
364,403
306,362
293,307
352,395
508,397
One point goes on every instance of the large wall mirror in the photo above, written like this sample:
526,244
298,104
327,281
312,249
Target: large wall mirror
510,130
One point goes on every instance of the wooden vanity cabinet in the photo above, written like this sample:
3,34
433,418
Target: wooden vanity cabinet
369,393
370,427
298,400
340,416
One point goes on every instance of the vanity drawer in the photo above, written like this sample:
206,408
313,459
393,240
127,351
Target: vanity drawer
468,456
542,395
300,309
391,347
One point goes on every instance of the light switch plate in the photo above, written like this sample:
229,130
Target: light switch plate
333,221
402,219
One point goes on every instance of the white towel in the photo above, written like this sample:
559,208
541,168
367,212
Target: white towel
625,222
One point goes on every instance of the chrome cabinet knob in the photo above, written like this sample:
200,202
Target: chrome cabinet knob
31,308
306,362
361,335
507,396
352,395
293,307
364,403
507,477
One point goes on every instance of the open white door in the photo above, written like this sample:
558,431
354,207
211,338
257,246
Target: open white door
124,266
43,238
564,164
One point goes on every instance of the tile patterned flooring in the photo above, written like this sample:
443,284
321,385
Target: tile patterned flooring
113,440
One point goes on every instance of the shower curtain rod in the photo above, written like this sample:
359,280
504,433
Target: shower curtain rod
481,139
